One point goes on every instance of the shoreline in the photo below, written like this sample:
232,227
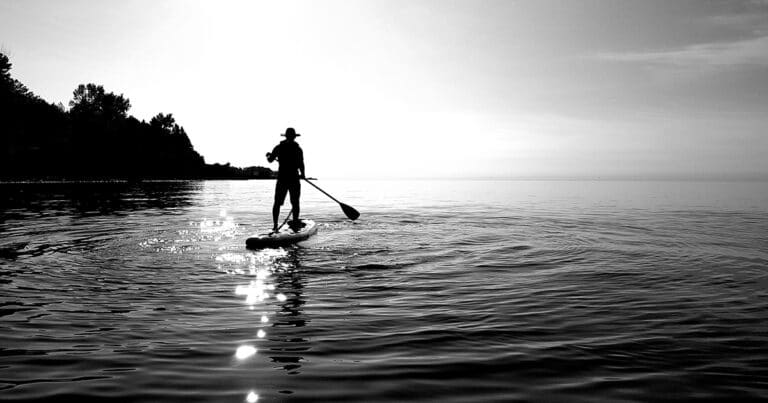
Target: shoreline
121,181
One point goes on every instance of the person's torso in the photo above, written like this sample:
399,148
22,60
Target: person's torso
290,159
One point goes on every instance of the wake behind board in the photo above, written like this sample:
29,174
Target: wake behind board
284,237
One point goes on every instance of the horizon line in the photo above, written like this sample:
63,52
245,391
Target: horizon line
628,178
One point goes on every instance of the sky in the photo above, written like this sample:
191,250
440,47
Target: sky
425,88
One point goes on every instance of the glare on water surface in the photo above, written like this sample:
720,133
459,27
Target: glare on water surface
254,269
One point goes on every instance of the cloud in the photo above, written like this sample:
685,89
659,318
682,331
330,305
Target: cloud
750,52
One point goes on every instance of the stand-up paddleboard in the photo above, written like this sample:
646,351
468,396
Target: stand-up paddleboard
286,236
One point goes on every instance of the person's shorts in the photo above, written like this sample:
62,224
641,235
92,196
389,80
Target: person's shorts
283,187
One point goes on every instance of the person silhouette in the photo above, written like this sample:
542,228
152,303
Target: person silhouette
289,155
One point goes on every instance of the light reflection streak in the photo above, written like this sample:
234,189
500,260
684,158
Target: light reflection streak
258,267
224,227
258,274
261,276
245,351
254,292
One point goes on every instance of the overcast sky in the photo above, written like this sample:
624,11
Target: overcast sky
425,88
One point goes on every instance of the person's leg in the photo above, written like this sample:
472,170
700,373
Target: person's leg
280,192
295,190
275,216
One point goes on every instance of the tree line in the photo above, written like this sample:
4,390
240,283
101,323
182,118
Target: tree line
95,138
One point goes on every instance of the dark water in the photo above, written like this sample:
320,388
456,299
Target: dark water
442,291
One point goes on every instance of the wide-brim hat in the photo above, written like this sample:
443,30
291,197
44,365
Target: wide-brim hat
290,132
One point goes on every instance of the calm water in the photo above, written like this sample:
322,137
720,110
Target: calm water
442,291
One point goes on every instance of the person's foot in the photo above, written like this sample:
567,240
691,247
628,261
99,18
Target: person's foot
274,230
296,225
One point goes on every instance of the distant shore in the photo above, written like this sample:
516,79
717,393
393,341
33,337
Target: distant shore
96,140
58,181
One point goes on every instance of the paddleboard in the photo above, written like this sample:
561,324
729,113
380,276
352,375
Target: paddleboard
286,236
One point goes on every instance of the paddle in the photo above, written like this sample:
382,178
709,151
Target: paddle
286,220
350,212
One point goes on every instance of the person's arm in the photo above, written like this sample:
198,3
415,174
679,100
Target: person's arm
301,164
274,154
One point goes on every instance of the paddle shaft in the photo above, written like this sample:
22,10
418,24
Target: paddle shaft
286,220
349,211
324,192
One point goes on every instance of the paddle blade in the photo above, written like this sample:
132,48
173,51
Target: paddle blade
351,213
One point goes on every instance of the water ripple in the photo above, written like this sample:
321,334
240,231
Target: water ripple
149,295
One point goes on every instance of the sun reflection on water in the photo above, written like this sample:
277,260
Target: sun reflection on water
217,229
254,271
245,351
254,292
268,283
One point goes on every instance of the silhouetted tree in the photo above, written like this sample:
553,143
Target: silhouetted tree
92,99
94,139
5,72
32,132
164,122
5,67
10,86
